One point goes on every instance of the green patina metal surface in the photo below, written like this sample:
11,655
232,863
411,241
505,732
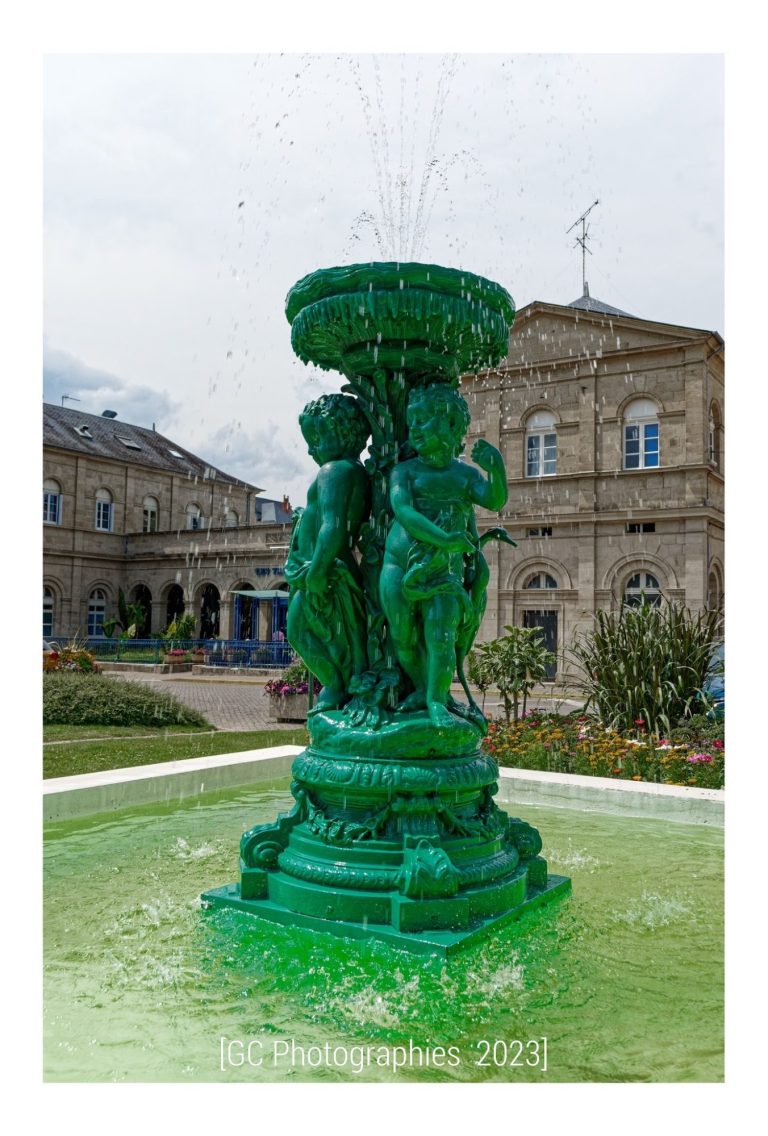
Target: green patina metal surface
394,831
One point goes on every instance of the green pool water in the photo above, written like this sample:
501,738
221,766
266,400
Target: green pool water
624,978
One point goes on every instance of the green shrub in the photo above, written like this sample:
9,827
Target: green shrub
645,666
71,699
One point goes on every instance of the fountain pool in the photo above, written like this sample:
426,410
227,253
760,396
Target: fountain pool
624,977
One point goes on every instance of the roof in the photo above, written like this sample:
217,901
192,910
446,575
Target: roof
281,515
101,437
587,303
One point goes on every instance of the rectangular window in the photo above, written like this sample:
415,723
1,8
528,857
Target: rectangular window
150,521
51,508
104,516
534,450
47,622
95,621
641,527
541,456
545,530
641,446
651,444
631,447
550,455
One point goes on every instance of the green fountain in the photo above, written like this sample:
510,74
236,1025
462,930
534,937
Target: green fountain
394,833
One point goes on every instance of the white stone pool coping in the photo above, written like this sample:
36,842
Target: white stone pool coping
88,794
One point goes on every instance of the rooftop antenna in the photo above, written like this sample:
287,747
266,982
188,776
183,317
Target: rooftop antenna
582,240
69,397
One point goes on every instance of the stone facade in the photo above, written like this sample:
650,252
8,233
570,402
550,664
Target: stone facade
584,371
204,533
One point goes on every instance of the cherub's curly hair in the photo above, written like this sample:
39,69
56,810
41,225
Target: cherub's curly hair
348,419
440,397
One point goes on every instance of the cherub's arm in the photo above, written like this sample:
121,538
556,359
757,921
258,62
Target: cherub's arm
490,493
334,489
415,523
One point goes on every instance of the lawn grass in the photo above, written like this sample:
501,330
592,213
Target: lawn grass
109,751
83,733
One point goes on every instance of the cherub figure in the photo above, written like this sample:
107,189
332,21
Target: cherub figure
434,575
326,611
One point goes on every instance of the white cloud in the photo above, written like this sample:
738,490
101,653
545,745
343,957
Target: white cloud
261,457
95,391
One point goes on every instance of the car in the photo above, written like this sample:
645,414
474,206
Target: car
713,690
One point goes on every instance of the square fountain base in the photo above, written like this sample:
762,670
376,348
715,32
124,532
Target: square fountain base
424,942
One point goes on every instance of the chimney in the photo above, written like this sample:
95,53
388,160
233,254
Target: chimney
287,506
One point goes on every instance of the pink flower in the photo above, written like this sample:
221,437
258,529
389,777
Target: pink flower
717,744
704,758
639,721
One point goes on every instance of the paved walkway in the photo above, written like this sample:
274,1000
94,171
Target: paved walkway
239,703
228,704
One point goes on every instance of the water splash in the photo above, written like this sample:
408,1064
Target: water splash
652,910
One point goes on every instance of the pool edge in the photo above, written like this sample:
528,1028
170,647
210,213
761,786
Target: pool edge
69,798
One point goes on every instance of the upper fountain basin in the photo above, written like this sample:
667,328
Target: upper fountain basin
420,319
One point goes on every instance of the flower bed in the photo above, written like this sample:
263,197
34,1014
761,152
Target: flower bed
71,657
693,754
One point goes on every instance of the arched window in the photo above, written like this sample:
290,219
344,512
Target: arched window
231,519
97,606
541,445
150,511
47,613
715,591
642,586
541,580
194,516
641,435
104,510
51,502
715,428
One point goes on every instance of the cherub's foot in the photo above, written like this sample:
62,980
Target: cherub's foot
415,701
459,708
471,713
441,717
330,699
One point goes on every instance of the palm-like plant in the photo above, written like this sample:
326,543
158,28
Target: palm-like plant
646,665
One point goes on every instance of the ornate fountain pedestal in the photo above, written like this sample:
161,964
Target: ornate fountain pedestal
414,852
394,833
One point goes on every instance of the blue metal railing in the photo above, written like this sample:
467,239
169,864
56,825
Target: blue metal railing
272,654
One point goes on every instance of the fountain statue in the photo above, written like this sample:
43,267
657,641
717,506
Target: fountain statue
394,832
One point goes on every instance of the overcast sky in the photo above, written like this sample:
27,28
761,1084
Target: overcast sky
185,194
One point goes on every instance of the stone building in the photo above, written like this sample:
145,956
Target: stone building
611,428
126,508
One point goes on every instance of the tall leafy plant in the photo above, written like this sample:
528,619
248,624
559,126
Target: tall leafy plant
180,629
514,664
646,665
